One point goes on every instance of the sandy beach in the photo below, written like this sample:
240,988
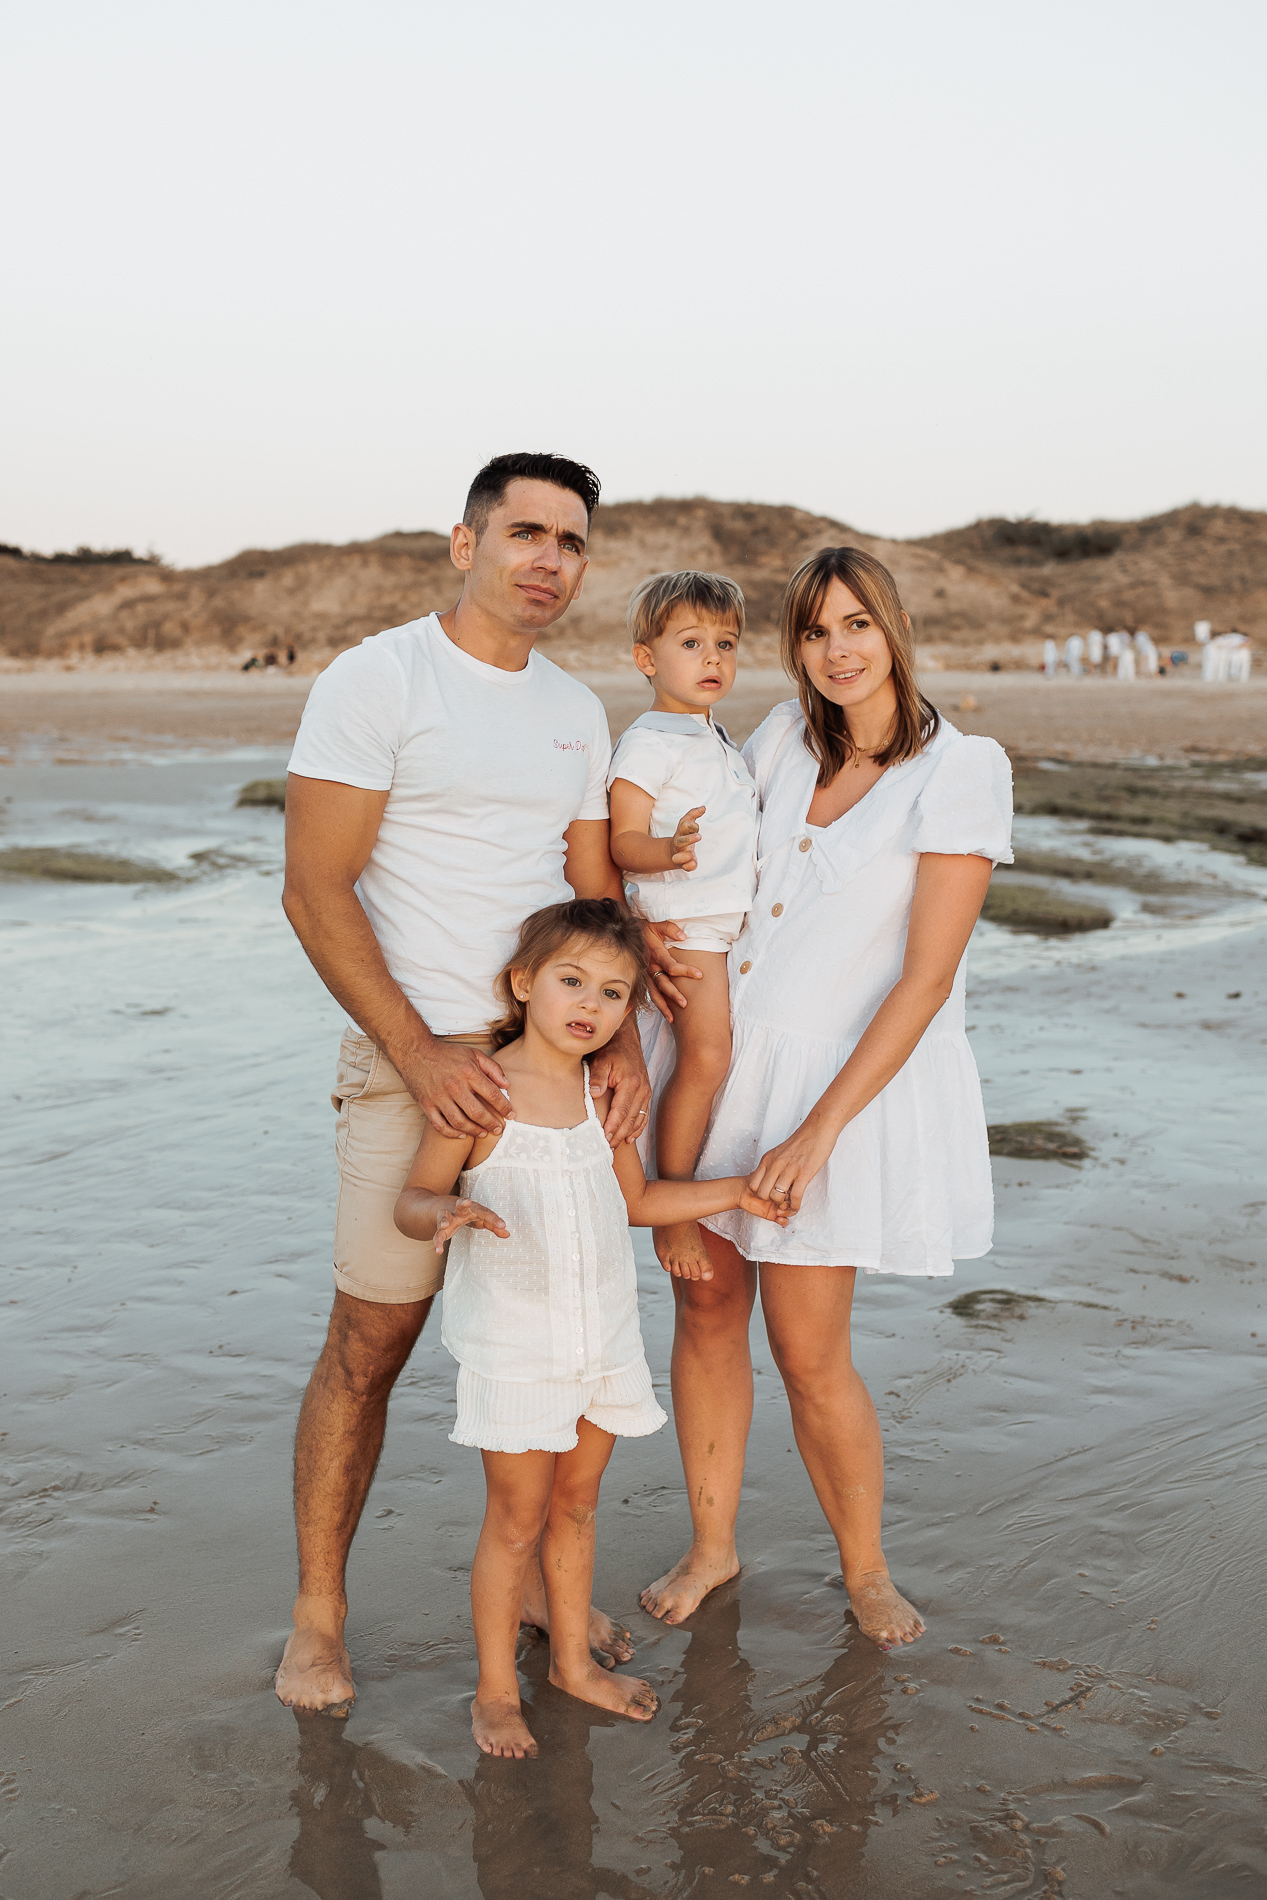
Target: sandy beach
1073,1425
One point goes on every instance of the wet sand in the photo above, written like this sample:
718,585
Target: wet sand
1074,1472
106,712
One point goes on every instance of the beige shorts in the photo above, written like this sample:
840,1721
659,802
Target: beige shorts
376,1139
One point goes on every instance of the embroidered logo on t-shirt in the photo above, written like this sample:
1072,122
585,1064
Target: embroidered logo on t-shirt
571,745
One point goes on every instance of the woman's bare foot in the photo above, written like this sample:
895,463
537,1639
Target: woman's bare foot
883,1613
612,1642
315,1672
680,1591
620,1695
680,1251
499,1728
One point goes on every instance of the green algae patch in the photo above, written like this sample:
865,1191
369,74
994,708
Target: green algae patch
1222,804
264,791
1037,1141
1042,912
66,865
994,1303
1123,877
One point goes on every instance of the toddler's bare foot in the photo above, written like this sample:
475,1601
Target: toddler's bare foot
680,1591
499,1728
612,1641
620,1695
315,1672
681,1252
883,1613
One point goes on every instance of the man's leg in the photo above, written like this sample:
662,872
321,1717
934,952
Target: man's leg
337,1447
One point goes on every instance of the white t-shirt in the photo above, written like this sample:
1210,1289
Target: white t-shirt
683,760
484,770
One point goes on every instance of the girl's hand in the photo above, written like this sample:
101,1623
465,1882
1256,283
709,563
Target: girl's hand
775,1211
469,1214
783,1175
682,844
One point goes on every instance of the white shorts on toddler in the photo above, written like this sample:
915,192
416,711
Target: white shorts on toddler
708,933
505,1415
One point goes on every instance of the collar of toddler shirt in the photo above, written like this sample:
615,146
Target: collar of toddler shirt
696,725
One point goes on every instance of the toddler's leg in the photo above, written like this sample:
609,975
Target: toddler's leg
518,1499
702,1035
567,1561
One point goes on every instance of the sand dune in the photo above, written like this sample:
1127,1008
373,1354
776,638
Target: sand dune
984,592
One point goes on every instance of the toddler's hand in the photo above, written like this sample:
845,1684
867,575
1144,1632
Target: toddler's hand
469,1214
684,839
776,1211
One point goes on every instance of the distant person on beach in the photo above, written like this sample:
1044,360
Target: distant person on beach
541,1298
1051,658
1095,650
1073,654
446,781
684,832
852,1099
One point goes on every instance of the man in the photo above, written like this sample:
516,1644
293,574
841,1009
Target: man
446,781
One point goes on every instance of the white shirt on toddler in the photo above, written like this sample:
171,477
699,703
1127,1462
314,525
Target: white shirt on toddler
682,760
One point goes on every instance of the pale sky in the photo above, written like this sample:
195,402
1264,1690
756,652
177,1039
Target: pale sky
278,271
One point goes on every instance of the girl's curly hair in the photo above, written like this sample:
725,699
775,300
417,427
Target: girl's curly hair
546,932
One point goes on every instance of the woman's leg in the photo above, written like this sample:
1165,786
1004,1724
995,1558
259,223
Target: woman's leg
701,1034
807,1311
712,1410
518,1498
567,1563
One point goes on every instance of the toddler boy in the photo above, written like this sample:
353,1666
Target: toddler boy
676,766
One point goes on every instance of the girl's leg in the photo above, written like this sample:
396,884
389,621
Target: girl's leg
518,1499
567,1563
807,1311
712,1409
701,1034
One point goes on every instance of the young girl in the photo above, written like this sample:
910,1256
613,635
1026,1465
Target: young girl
541,1301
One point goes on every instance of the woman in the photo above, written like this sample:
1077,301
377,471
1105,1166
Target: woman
852,1094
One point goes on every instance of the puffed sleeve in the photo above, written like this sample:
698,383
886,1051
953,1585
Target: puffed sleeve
643,759
965,809
779,724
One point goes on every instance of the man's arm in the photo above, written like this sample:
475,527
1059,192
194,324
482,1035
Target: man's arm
330,832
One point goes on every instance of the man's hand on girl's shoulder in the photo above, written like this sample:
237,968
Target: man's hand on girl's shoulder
459,1089
618,1082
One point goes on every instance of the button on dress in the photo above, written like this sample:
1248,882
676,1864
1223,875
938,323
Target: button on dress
907,1188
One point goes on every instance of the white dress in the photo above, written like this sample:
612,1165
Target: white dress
544,1325
907,1188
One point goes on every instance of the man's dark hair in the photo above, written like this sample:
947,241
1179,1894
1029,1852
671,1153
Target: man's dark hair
490,485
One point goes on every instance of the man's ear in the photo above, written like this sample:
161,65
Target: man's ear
462,547
644,660
584,571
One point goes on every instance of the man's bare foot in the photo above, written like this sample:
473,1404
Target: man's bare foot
883,1613
620,1695
499,1728
315,1673
681,1252
680,1591
611,1642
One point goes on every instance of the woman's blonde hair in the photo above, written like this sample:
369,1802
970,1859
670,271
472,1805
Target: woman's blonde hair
546,932
826,731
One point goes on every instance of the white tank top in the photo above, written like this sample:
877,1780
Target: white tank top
559,1299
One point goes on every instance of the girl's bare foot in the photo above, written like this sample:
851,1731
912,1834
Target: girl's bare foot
620,1695
680,1591
612,1641
681,1252
499,1728
315,1672
883,1613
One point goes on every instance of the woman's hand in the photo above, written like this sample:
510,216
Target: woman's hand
783,1174
462,1213
665,969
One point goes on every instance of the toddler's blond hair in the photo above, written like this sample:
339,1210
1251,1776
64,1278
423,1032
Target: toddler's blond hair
713,595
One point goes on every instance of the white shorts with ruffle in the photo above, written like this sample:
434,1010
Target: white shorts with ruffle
501,1415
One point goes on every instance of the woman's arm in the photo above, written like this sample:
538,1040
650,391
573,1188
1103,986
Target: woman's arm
661,1203
426,1208
632,846
949,893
